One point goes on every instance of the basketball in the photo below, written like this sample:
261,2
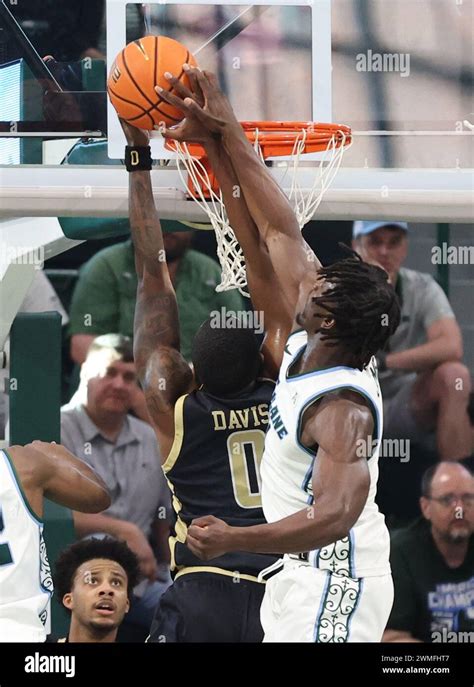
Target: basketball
137,69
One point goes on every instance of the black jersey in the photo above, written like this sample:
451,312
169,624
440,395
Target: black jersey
213,469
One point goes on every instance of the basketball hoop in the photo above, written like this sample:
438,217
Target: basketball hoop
269,139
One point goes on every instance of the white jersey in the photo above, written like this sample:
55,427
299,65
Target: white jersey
287,466
25,579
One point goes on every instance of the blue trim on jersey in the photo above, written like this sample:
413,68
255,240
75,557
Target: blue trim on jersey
322,604
307,477
360,580
20,493
312,373
351,554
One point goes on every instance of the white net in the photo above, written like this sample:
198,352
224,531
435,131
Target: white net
305,201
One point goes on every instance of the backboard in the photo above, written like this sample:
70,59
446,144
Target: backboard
273,59
398,72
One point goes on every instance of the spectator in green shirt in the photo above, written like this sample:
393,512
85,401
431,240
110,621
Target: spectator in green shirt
104,298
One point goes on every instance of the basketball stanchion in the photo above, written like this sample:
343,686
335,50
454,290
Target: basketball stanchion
270,139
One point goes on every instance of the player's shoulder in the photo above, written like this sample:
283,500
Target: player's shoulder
347,403
27,462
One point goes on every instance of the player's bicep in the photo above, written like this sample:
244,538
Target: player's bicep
167,377
341,475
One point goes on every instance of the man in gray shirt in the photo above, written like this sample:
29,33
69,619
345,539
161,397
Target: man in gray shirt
124,452
424,384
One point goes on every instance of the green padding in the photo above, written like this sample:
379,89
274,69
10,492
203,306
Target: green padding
87,228
93,152
35,397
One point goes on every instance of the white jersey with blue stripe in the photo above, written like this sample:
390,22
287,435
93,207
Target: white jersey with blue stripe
287,466
25,578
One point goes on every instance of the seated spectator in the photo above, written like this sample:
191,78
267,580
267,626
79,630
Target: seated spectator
94,580
124,452
424,384
104,298
433,562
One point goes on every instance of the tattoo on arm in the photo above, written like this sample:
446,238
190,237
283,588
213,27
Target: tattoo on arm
162,370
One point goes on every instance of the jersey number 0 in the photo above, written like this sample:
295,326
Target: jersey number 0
245,450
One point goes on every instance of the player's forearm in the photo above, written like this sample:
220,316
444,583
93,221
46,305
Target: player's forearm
268,205
235,204
156,312
146,229
426,356
64,458
306,530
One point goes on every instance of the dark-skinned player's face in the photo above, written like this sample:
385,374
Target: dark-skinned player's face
314,317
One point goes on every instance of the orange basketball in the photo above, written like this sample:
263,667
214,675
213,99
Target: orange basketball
137,69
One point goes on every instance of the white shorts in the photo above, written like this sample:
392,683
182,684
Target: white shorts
306,604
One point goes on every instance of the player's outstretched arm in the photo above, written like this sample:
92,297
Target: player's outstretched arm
163,372
292,259
65,479
264,286
340,484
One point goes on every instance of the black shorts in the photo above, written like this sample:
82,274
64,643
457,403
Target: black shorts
209,607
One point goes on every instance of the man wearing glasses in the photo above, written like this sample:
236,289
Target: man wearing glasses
433,563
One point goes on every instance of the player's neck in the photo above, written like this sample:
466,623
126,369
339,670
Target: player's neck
319,354
82,633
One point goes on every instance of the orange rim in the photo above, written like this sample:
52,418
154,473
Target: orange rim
278,138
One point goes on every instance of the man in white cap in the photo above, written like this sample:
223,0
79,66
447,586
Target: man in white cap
424,383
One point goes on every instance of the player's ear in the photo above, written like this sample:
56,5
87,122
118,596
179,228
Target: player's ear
127,607
68,601
328,323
